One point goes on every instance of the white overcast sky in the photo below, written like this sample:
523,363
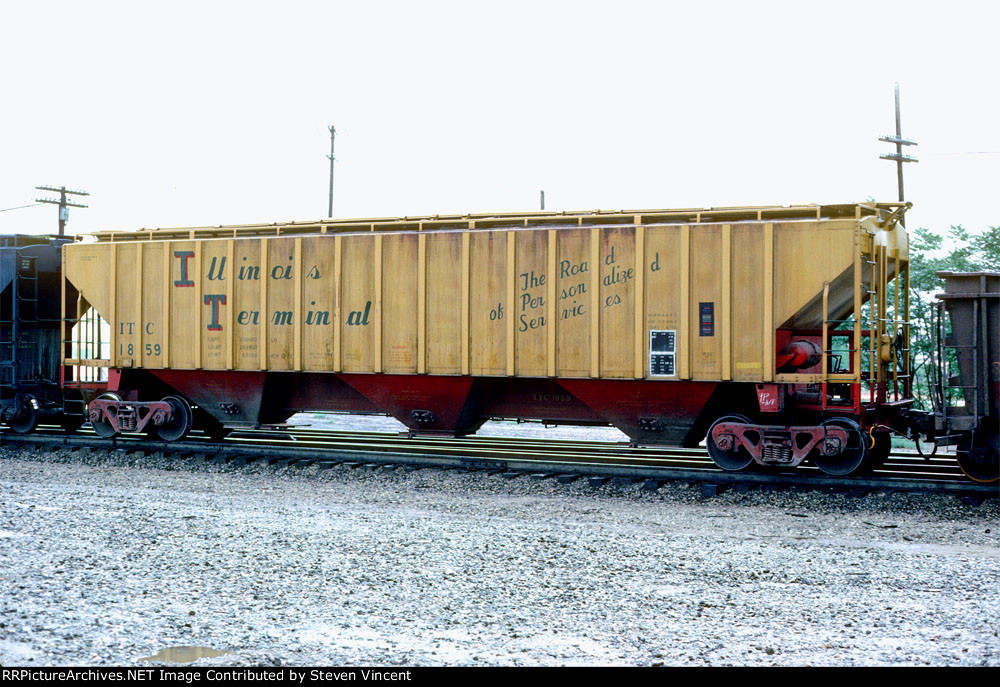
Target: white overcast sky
178,114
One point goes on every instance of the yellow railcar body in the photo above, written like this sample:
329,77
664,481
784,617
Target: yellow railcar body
657,294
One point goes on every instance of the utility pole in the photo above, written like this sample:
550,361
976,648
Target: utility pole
898,156
333,135
64,205
543,200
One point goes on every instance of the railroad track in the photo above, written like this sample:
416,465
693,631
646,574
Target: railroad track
564,460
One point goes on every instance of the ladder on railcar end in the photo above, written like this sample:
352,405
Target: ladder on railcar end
888,381
9,338
16,372
26,296
830,354
944,379
896,370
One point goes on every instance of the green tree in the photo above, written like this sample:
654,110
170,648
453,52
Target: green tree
987,247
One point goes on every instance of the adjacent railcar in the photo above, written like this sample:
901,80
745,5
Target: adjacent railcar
31,317
971,422
780,333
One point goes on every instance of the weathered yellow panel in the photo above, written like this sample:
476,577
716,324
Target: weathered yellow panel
444,300
573,303
747,297
640,369
663,294
153,287
530,306
358,296
318,298
617,301
706,296
806,254
246,304
466,287
183,285
213,304
127,303
86,265
399,303
282,278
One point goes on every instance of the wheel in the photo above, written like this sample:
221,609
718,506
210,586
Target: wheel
980,464
852,459
102,427
730,459
180,423
26,418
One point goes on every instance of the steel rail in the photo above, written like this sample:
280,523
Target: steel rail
476,444
595,450
652,466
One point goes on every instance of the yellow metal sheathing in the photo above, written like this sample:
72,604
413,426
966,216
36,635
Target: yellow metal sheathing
126,307
246,290
214,332
399,303
184,312
86,266
152,289
664,291
617,301
747,312
529,308
706,291
573,303
806,254
489,307
282,278
318,302
357,289
574,300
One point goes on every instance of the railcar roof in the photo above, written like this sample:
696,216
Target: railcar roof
25,240
500,220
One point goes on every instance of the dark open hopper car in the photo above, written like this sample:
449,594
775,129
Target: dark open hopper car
31,372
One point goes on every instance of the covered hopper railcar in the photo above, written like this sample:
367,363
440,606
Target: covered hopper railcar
779,333
966,404
31,317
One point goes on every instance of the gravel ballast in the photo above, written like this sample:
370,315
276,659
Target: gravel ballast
107,558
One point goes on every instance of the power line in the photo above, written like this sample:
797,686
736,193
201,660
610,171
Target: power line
971,152
20,206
